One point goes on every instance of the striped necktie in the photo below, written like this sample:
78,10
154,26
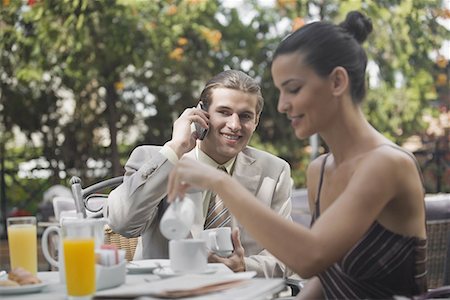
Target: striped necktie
218,215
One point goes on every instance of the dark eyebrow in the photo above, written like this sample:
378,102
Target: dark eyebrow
288,81
223,107
242,112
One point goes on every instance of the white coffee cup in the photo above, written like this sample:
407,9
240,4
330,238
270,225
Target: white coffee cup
178,218
188,255
218,240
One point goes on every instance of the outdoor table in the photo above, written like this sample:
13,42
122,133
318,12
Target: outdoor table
254,288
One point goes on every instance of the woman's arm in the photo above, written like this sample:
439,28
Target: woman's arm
307,252
312,290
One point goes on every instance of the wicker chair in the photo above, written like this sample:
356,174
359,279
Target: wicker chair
438,233
91,199
127,244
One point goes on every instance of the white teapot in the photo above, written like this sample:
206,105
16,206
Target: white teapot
178,218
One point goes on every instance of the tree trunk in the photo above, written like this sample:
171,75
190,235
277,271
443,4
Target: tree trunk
111,99
3,204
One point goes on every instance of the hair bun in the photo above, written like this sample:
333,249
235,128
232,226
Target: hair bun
358,25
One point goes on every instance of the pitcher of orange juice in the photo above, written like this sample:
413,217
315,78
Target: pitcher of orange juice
70,235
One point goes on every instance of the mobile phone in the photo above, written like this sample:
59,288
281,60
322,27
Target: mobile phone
201,132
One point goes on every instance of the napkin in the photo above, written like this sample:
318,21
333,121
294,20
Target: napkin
177,287
202,290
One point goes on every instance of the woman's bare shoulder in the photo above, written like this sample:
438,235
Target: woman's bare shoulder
391,166
393,157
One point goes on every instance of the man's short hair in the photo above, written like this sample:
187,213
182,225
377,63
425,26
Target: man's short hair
236,80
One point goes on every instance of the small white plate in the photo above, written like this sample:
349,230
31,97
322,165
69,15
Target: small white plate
22,289
167,272
146,265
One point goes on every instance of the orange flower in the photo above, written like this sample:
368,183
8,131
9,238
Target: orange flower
442,12
171,10
6,2
176,54
119,86
213,37
441,62
150,25
182,41
297,23
216,37
286,3
441,80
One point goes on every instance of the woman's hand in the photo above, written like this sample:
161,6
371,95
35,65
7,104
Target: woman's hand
191,173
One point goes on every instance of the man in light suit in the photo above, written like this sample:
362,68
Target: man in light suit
232,104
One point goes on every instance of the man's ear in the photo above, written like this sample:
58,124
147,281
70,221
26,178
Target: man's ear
339,81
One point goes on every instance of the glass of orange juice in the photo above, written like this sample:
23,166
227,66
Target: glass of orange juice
22,242
78,240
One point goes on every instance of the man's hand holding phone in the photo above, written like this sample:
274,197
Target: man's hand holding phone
184,132
199,129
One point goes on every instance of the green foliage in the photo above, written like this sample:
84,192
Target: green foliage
93,79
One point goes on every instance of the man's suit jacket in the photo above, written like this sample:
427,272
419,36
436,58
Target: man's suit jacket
137,205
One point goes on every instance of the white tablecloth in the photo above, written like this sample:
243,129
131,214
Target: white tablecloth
253,289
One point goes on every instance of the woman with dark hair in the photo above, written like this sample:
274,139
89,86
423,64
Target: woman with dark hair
368,236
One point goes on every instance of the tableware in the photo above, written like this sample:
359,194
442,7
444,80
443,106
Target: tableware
63,204
146,265
166,272
22,289
218,240
258,288
96,224
109,277
188,255
78,240
22,242
178,218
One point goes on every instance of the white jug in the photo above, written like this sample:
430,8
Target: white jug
178,218
98,225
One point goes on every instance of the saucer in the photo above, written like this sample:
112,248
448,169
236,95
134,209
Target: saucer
166,272
146,265
22,289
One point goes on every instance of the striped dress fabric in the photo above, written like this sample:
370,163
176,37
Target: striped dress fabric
381,265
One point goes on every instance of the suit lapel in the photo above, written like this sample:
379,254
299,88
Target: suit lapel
247,171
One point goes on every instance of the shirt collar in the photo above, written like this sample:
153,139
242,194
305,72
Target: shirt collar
203,157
